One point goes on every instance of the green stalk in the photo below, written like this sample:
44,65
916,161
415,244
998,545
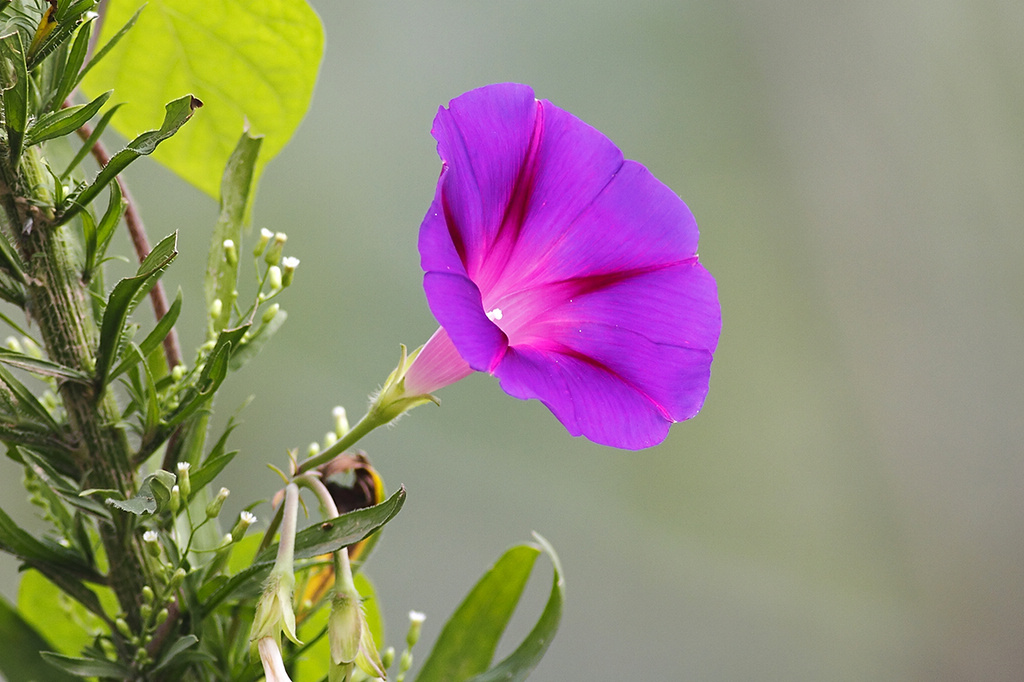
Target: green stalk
59,303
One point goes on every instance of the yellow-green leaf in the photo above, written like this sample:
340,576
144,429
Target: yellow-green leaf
251,63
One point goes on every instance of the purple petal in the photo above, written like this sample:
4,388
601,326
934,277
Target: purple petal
586,399
565,271
455,302
483,138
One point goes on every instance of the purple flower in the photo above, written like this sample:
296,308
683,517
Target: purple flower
564,270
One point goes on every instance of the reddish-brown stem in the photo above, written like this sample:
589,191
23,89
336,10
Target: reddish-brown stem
137,231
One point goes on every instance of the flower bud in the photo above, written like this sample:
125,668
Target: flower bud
274,278
415,626
30,347
288,265
12,344
184,482
216,308
147,594
273,254
178,372
313,449
161,616
177,578
245,519
270,313
122,626
175,502
341,426
230,252
265,237
152,541
330,438
146,610
213,509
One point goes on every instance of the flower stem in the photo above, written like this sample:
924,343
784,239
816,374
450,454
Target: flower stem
371,420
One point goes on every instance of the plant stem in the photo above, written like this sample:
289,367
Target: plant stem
59,302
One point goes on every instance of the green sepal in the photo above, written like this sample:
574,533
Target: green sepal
176,114
64,121
124,298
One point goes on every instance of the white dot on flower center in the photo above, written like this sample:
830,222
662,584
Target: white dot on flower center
494,315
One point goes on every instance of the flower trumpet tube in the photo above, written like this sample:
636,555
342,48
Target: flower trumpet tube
565,271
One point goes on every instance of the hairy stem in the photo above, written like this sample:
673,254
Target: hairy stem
58,302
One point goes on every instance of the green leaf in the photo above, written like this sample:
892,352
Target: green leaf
154,491
41,603
72,67
255,343
235,196
42,552
14,83
322,538
64,121
176,114
153,339
21,660
172,652
471,635
88,667
469,639
41,367
253,63
27,404
124,298
342,531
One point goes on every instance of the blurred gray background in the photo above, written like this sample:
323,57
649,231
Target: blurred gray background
848,505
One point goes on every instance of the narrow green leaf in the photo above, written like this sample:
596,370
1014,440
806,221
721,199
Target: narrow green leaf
41,367
21,660
68,18
14,83
180,645
116,207
266,80
342,531
255,343
91,141
41,604
124,298
469,639
153,339
210,468
176,114
322,538
88,667
73,66
521,662
112,41
42,552
235,195
28,405
64,121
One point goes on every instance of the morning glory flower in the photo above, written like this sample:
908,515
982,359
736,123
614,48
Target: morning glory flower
565,271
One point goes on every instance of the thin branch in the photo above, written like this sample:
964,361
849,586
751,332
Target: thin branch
137,231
